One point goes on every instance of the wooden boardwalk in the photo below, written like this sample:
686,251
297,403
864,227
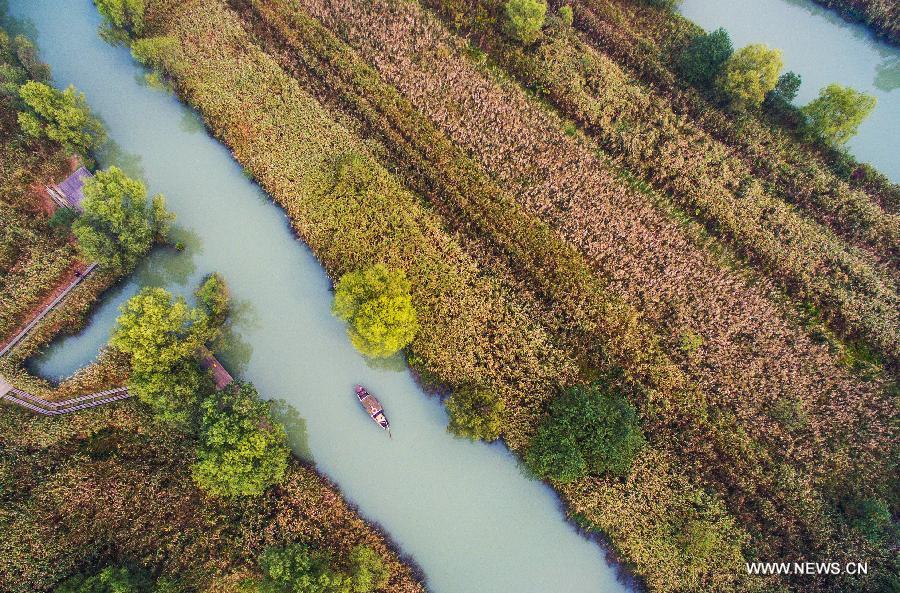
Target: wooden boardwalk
37,319
48,408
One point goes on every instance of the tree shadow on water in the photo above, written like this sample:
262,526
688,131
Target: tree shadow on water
295,426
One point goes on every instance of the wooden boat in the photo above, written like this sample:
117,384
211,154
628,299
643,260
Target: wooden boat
373,407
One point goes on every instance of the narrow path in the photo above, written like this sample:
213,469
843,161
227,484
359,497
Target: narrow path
37,319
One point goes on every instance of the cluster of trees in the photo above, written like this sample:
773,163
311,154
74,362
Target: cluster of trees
119,225
475,413
751,75
115,579
241,451
63,116
590,430
299,568
377,305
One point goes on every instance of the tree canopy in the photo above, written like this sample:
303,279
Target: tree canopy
298,568
109,580
524,19
122,18
377,304
475,413
242,450
750,74
63,116
118,226
213,295
702,60
162,336
589,431
837,112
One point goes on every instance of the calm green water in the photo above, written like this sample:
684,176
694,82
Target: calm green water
464,511
822,48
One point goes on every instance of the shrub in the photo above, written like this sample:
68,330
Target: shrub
377,304
588,431
122,18
872,517
837,113
27,55
118,226
214,297
63,116
155,52
367,570
667,4
750,74
109,580
475,413
702,60
566,16
297,568
524,19
62,220
162,336
242,450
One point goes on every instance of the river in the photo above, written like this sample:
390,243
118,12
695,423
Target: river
823,48
464,511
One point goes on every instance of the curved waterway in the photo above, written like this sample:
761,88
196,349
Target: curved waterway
822,48
464,511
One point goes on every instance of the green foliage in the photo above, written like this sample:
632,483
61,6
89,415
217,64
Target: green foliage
566,16
367,570
667,4
155,52
589,431
118,227
475,413
872,517
786,89
702,60
213,295
750,74
524,19
122,18
242,450
109,580
62,220
297,568
377,305
162,337
27,54
63,116
837,112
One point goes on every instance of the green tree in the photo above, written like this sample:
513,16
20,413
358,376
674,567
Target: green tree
213,295
155,52
750,74
524,19
297,568
367,570
702,60
475,413
377,305
589,431
27,55
786,89
62,220
63,116
242,450
162,336
118,226
109,580
667,4
837,112
122,18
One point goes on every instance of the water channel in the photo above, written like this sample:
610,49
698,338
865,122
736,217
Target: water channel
823,48
463,511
